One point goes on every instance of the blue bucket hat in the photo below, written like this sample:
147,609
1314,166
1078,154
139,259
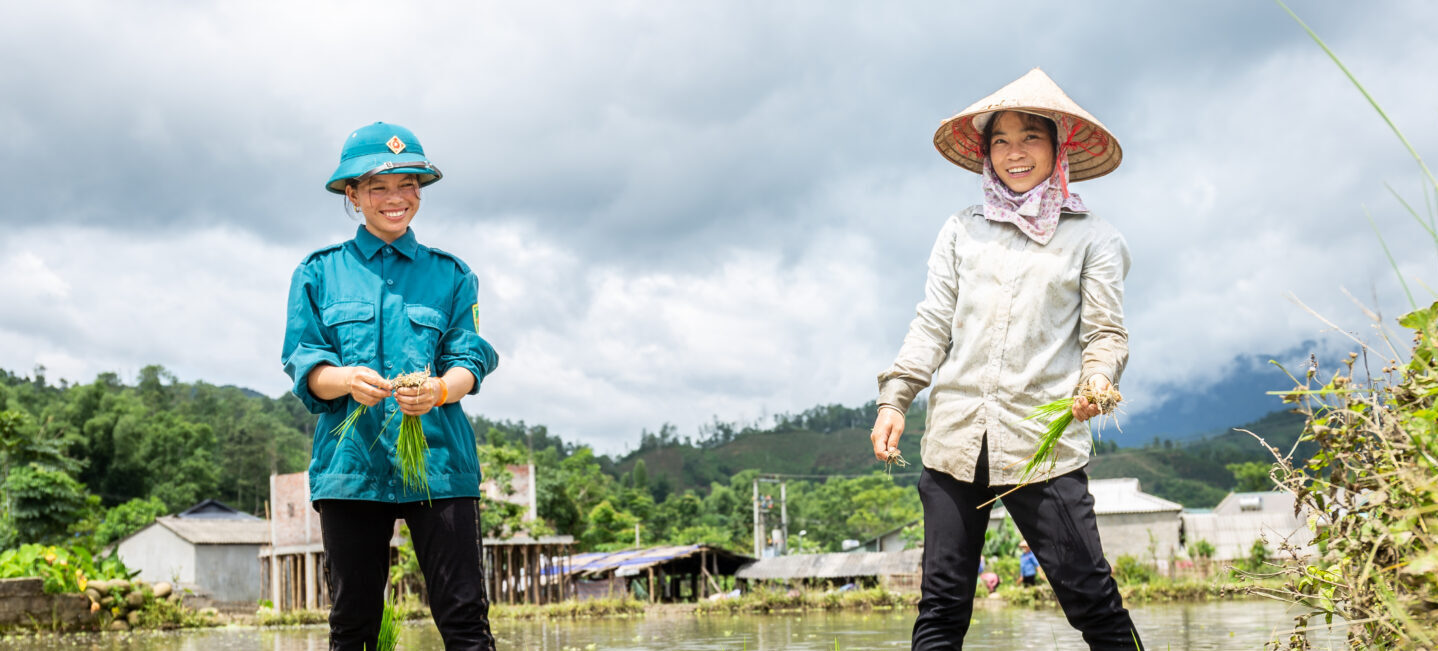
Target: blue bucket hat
382,148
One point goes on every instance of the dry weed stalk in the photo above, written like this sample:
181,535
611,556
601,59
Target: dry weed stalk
1371,497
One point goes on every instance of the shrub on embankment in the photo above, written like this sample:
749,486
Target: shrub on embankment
60,588
763,600
411,609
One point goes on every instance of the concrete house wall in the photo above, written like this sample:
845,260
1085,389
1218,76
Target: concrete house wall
1129,533
229,572
160,555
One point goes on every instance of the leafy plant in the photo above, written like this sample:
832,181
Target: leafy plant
1370,490
64,569
1128,569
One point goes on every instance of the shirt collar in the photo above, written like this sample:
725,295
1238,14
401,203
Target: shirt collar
369,245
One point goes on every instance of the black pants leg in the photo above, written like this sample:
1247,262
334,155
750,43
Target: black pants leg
447,543
356,536
953,542
1058,520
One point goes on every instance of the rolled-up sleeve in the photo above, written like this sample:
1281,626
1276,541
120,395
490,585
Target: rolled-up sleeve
305,345
462,346
927,342
1101,331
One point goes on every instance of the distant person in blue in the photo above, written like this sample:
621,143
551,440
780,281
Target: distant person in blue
374,307
1028,565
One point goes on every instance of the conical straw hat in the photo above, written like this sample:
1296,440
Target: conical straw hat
1093,151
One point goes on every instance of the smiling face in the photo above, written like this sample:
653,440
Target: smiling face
388,201
1022,149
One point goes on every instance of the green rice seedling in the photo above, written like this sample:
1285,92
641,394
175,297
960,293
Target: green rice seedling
1061,415
411,447
348,424
388,629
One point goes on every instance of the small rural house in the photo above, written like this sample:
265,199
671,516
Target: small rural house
1242,518
292,559
896,570
210,549
1130,521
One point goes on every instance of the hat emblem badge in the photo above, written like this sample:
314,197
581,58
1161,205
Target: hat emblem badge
395,144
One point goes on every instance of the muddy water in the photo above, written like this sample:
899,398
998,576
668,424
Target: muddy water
1177,627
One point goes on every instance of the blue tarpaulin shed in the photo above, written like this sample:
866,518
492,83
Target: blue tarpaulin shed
661,571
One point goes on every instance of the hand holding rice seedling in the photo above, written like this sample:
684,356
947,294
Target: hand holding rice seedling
896,458
411,446
361,380
1062,414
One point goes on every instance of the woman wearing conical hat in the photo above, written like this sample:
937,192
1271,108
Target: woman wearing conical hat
1023,306
377,306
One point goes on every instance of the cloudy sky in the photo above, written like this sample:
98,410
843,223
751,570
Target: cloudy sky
686,210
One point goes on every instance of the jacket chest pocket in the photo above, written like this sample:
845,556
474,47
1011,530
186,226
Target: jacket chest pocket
353,325
426,329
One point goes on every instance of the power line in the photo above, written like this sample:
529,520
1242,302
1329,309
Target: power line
827,476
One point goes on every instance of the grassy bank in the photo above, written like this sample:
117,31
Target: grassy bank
1151,592
763,601
411,609
768,601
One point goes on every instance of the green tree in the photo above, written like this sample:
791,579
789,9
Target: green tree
127,519
43,502
1251,476
674,515
640,476
608,528
880,507
1002,541
501,518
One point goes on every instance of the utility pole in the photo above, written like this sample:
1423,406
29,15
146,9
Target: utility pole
758,526
784,518
781,541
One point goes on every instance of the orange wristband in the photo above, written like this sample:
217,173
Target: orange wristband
443,392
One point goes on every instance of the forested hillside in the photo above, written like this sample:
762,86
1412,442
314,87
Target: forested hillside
98,460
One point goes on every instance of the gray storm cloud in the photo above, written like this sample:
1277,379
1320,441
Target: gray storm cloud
683,211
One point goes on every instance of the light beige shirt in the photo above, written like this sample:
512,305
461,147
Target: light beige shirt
1006,325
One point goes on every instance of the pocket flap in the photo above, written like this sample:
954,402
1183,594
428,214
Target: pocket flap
426,316
347,312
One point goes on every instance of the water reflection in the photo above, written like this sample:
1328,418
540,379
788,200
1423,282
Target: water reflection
1176,627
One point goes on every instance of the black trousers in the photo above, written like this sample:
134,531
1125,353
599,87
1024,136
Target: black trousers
1057,519
447,544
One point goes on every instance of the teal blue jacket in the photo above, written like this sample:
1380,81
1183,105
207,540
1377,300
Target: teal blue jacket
395,308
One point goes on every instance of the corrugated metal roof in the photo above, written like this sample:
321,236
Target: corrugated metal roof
633,560
520,541
834,566
209,531
1117,496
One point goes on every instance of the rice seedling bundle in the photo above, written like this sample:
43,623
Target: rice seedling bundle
411,447
1061,414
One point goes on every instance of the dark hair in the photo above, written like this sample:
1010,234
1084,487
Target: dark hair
1030,120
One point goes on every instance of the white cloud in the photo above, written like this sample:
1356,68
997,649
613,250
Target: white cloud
679,211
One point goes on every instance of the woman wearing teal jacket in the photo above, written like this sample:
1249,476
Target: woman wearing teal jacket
375,307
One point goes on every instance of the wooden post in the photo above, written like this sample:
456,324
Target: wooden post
651,584
531,560
508,574
701,593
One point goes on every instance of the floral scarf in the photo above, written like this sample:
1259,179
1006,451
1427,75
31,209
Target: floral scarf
1035,212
